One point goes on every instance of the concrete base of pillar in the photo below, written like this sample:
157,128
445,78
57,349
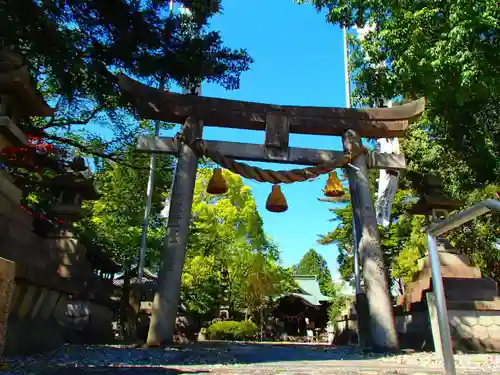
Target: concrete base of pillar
364,331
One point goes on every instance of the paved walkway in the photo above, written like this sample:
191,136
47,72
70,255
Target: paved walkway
262,359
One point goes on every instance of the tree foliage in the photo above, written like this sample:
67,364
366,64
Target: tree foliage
446,51
226,235
72,47
313,264
114,222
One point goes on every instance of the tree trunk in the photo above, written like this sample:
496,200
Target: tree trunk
166,300
383,330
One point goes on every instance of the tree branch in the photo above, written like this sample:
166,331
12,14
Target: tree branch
92,115
119,139
89,151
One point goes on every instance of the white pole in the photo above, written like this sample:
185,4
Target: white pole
150,189
149,198
355,240
346,71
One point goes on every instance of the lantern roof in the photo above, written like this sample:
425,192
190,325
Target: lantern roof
432,195
15,81
77,183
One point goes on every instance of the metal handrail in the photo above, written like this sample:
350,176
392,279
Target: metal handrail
465,216
437,279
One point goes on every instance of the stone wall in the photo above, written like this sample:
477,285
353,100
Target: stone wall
41,319
476,330
7,283
49,273
475,326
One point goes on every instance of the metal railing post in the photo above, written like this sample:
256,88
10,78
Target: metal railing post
442,312
437,279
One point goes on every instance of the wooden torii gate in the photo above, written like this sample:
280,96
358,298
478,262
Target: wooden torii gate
277,122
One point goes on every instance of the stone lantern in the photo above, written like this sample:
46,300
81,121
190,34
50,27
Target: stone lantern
433,202
461,280
72,188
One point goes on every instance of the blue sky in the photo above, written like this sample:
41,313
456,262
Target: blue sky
298,61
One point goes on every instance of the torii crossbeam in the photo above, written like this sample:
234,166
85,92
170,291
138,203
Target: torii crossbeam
154,104
277,122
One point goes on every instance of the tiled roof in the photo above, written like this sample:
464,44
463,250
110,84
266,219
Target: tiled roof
309,285
309,290
146,273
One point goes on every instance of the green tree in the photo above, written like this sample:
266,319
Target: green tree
314,264
446,51
255,279
338,303
114,222
225,221
226,234
201,285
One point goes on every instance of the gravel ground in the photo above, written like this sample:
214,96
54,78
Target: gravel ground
265,359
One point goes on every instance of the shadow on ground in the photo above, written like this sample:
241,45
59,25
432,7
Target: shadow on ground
88,360
118,370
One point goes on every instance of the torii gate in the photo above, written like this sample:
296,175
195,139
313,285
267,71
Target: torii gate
278,122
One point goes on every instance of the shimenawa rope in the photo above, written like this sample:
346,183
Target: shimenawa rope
265,175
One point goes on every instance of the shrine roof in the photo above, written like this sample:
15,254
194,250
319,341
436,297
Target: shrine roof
308,291
310,285
308,299
148,276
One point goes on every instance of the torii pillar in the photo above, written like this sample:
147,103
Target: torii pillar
382,324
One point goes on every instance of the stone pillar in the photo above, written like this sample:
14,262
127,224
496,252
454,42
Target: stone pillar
382,323
7,285
166,300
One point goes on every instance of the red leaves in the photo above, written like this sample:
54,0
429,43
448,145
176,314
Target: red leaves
26,156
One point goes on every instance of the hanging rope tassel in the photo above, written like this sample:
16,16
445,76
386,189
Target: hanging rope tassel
217,183
276,202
